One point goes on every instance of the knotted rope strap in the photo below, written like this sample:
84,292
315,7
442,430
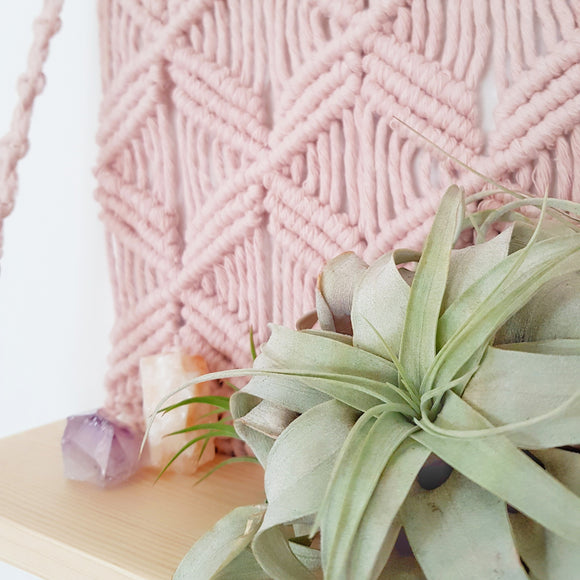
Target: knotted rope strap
14,145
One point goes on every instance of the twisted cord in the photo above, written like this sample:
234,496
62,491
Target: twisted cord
14,145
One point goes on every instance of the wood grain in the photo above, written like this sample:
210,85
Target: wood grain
59,529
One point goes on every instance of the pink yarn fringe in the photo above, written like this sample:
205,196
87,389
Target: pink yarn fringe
243,143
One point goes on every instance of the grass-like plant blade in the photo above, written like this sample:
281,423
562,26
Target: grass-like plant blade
497,465
205,437
216,401
379,528
230,461
214,551
253,352
428,288
219,429
388,431
459,531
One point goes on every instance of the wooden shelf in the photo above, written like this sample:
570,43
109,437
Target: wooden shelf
59,529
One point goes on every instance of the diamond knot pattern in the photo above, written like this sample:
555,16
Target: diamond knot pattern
245,142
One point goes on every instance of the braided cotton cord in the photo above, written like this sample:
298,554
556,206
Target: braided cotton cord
14,145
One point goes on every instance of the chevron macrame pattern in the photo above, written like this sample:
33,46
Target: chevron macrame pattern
244,143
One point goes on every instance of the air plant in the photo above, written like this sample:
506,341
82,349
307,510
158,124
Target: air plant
438,404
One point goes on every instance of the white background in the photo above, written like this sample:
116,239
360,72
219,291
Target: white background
55,303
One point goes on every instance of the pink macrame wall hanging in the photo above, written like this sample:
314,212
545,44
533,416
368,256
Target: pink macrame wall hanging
243,143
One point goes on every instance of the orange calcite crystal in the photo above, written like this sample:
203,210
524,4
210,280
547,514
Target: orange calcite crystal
161,375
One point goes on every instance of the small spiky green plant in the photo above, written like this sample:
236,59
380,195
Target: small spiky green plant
472,360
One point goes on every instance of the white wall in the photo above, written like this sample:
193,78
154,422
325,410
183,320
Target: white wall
55,304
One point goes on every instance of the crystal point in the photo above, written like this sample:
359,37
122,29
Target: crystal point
161,375
98,449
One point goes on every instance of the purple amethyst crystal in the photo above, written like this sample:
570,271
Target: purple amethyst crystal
98,449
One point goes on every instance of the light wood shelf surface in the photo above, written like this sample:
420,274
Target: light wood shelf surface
59,529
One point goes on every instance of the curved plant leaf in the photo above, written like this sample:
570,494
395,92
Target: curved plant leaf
459,531
334,291
349,500
295,482
379,528
510,387
221,545
381,296
428,288
549,556
500,467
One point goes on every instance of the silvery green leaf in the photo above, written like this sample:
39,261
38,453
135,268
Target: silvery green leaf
472,320
428,288
268,418
497,465
401,567
296,479
298,471
274,553
260,443
555,224
380,299
380,526
527,270
285,391
349,499
354,390
308,556
343,471
553,313
469,264
563,465
344,338
242,567
335,289
557,346
260,425
308,351
549,556
221,545
512,386
459,531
